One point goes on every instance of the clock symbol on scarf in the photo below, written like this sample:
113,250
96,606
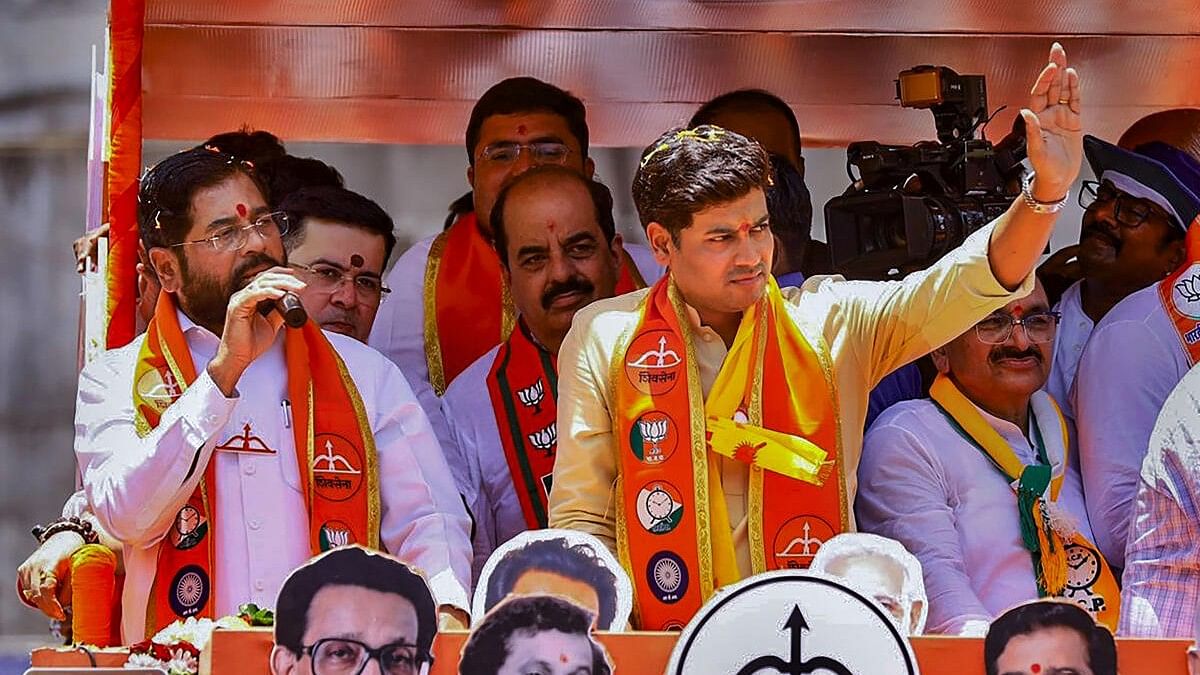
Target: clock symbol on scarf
659,504
1083,568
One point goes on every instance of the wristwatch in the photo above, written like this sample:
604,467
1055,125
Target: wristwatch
1038,206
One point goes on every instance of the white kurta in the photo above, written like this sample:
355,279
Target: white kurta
136,486
1073,332
1130,365
476,457
923,484
399,331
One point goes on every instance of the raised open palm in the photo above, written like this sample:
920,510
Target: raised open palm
1054,128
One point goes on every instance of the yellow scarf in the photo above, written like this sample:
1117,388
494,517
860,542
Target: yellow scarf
1065,563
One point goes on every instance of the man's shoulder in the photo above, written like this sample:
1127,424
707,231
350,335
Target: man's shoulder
362,360
611,315
910,418
469,383
118,359
1139,306
1071,302
414,258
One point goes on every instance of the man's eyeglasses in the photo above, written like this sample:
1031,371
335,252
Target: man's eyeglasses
233,237
328,279
340,656
541,152
997,328
1126,212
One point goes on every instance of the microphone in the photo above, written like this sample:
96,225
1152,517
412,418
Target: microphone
289,306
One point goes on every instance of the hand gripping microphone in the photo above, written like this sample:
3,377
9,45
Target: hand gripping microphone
289,306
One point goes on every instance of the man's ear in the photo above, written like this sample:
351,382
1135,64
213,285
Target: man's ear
940,360
283,660
616,247
1176,256
166,266
589,167
660,243
914,617
471,175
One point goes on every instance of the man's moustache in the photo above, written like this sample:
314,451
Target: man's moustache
576,285
1001,354
257,260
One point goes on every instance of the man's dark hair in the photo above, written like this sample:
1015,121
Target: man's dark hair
487,648
1034,616
747,100
351,566
790,207
687,171
256,147
165,192
339,205
557,556
527,95
602,203
287,174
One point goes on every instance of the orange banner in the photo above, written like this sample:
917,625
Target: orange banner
126,21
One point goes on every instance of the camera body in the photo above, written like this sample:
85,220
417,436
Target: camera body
909,205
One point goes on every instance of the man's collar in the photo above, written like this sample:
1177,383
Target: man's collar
186,324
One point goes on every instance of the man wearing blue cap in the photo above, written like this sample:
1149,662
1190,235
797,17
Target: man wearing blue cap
1141,348
1130,239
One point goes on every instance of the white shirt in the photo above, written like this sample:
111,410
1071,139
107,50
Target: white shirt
923,484
1130,365
399,331
136,486
477,460
1074,329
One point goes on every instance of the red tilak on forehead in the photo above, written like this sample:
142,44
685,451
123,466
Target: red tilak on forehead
356,260
1035,668
521,129
745,227
1019,312
563,658
242,210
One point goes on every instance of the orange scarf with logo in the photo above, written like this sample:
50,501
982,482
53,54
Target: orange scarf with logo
1180,296
334,445
523,384
469,290
772,406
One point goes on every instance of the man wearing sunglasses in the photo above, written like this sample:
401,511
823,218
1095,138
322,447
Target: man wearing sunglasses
976,480
1130,238
1143,346
223,451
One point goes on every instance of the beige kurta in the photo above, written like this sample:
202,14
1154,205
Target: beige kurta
868,328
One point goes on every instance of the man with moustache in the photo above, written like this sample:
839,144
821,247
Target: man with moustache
451,303
277,444
1149,340
710,427
1129,240
341,242
560,251
966,478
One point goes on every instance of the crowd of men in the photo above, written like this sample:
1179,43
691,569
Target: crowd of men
699,404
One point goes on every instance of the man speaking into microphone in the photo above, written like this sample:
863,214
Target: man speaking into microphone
222,450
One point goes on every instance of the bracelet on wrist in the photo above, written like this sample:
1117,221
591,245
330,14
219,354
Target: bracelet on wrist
73,524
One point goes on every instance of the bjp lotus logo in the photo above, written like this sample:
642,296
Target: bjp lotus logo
532,396
545,439
1189,288
1186,292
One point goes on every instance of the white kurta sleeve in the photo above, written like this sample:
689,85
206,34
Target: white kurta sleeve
424,522
901,495
1124,377
135,485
